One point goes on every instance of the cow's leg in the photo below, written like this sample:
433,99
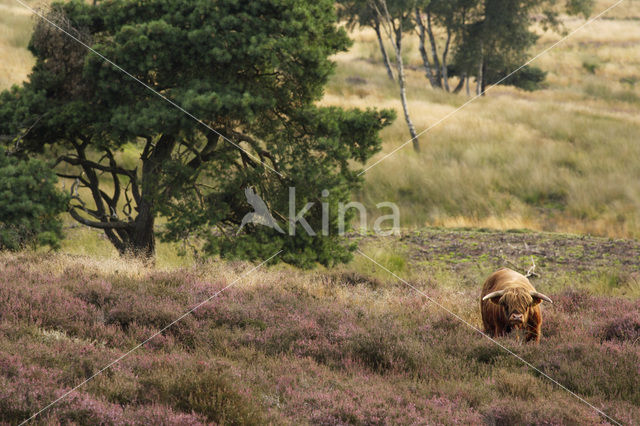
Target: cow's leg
533,332
488,329
534,327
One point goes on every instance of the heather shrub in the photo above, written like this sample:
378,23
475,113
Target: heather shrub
144,310
590,369
513,384
296,348
227,312
46,304
623,328
402,343
23,387
447,411
157,414
80,408
172,279
298,336
474,393
432,353
486,352
572,300
122,388
85,409
97,292
557,324
555,411
377,350
353,278
624,412
206,389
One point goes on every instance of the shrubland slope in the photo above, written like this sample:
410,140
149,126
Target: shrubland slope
343,346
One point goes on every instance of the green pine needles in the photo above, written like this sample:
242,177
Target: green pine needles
30,204
251,71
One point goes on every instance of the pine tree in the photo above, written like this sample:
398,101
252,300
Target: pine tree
248,73
30,204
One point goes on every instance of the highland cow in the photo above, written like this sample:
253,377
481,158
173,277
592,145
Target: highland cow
509,302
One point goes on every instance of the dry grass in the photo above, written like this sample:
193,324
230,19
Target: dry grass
15,29
559,159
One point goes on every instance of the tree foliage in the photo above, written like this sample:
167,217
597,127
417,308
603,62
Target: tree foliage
487,39
250,72
30,204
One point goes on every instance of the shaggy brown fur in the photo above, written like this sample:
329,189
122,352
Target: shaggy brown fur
515,309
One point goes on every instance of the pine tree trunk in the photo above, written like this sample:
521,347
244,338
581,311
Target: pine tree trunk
423,52
466,78
141,241
483,80
385,57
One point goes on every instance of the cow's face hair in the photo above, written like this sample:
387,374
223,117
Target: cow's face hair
516,303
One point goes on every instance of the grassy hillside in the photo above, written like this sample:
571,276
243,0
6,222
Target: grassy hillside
15,30
563,159
347,346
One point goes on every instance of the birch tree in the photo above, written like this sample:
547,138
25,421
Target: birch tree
393,23
360,13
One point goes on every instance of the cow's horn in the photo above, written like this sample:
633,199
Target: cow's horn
498,293
540,296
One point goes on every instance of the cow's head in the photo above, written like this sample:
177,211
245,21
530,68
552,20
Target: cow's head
516,303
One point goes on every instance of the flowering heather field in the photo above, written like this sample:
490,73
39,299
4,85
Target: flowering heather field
342,346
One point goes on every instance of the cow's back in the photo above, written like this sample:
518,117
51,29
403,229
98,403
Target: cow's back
503,278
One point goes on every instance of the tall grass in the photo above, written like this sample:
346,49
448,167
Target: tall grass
560,159
16,25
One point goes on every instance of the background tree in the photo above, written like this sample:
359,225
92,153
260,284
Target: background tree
250,71
451,16
360,12
487,39
496,36
30,204
395,20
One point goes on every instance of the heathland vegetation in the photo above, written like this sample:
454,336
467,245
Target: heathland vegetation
351,344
